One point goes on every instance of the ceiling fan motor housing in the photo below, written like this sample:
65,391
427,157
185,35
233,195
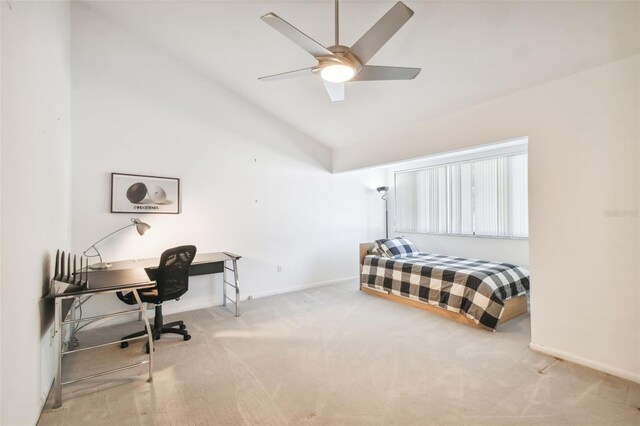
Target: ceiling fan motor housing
342,56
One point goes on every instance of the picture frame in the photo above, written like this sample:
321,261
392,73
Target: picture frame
143,194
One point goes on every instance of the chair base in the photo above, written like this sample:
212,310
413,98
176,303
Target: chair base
158,329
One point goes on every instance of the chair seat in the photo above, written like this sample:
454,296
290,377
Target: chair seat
149,293
147,296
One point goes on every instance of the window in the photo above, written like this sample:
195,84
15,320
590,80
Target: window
486,197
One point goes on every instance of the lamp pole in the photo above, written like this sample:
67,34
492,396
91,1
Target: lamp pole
384,190
386,217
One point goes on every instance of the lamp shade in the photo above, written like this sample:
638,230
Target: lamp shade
141,227
382,189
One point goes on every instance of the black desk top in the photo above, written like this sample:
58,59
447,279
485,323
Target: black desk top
104,281
132,274
153,262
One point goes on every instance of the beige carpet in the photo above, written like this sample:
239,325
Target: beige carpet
333,355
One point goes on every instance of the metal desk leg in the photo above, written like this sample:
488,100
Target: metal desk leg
149,332
224,283
72,329
57,327
237,286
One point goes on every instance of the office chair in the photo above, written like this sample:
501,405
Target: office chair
172,281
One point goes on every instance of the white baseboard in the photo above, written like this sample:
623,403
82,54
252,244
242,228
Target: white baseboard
624,374
200,304
207,302
303,287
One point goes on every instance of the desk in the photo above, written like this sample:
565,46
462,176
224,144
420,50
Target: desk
203,264
99,282
127,275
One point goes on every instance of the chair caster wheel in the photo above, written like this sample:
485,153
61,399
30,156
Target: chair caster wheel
124,345
187,337
183,327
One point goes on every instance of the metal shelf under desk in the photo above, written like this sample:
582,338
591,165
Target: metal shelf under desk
66,295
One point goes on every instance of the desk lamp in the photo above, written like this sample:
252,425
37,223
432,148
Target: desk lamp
141,227
384,190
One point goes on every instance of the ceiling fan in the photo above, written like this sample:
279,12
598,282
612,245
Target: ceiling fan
338,64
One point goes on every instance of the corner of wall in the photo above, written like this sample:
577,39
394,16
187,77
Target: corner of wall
35,164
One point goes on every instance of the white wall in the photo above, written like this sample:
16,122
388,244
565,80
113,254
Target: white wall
508,250
583,162
35,165
250,184
515,251
1,50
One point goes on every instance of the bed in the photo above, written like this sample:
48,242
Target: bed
470,291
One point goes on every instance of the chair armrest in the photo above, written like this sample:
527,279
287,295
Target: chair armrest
126,298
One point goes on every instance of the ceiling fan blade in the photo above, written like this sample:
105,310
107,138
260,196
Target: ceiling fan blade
288,74
372,72
335,91
381,32
295,35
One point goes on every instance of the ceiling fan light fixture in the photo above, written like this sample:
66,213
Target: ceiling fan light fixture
337,73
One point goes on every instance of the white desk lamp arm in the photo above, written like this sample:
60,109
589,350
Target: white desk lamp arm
93,246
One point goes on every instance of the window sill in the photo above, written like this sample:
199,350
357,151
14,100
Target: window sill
493,237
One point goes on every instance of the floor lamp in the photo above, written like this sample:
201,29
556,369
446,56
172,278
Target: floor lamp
384,190
141,227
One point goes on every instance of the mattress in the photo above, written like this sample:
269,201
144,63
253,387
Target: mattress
474,288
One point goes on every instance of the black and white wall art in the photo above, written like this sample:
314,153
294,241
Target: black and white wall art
144,194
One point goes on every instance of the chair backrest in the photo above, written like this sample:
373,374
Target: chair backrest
173,272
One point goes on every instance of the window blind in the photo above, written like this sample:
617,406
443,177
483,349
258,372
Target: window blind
481,197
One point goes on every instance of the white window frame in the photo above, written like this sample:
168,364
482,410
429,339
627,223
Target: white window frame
466,161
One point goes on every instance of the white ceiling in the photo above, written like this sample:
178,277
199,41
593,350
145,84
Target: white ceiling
470,52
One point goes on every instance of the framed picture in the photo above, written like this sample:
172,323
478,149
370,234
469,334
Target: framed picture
144,194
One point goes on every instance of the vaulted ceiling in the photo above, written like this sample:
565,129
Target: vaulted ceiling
469,52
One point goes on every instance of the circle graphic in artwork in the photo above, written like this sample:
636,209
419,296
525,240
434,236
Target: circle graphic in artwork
157,194
137,192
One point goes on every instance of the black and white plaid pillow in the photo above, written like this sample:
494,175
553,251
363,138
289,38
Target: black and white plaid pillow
395,248
376,250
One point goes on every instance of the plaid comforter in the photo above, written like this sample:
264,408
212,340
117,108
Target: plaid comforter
474,288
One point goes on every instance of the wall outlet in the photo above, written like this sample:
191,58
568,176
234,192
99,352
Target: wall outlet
279,268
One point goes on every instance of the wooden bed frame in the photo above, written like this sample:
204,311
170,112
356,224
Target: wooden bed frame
512,307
